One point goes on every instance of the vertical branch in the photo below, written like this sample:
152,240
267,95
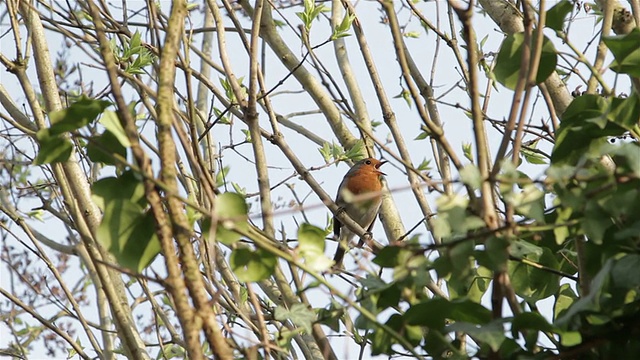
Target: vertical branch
342,57
534,64
488,210
75,187
163,230
635,9
516,100
270,34
208,145
168,175
393,224
501,283
435,131
510,20
251,118
602,50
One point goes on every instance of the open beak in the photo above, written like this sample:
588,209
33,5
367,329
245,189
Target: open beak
380,164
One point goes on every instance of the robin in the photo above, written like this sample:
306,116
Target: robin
359,194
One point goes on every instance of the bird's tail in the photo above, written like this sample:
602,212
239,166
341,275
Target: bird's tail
337,258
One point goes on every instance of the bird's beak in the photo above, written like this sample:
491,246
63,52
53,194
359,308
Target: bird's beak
379,165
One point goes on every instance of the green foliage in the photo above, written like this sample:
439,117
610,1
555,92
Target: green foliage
127,230
311,240
104,147
55,146
626,51
311,12
341,30
231,214
589,121
297,314
508,67
134,55
594,203
557,14
53,149
252,265
336,153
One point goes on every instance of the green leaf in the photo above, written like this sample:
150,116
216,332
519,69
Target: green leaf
389,256
492,334
325,151
433,312
466,150
411,34
311,243
452,216
331,316
77,115
564,299
625,111
110,121
252,266
531,156
479,284
382,341
521,248
557,14
423,135
231,211
532,283
625,272
221,176
528,202
299,314
344,26
589,302
583,124
356,151
570,338
508,63
310,13
626,156
626,51
129,234
53,149
103,148
530,321
406,95
424,165
124,187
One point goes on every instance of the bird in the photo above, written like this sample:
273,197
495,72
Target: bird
360,195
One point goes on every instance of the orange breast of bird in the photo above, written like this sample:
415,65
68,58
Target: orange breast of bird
365,181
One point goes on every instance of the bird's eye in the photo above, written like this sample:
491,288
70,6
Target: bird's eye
368,162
